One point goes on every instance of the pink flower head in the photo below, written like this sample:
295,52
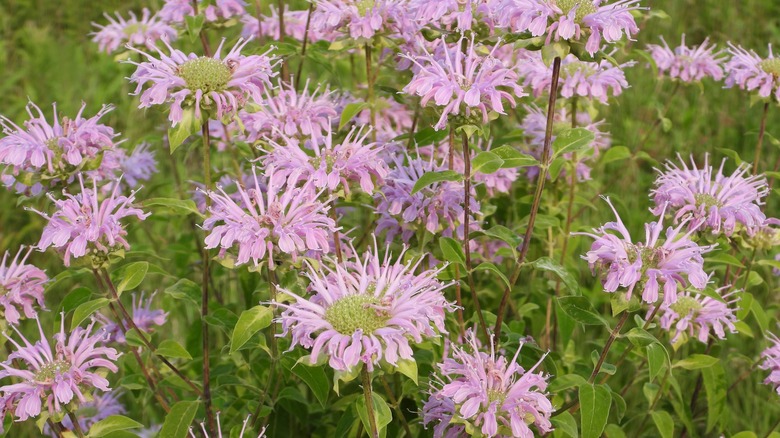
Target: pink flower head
688,64
333,166
488,393
454,15
771,362
55,151
697,315
219,430
290,113
718,203
361,19
650,264
75,367
144,317
137,33
592,80
571,20
462,83
83,225
21,287
392,119
294,26
751,72
366,311
438,206
282,218
139,166
220,85
176,11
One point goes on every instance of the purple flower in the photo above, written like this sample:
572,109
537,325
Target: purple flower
219,85
366,311
688,64
139,166
497,182
592,80
100,407
83,225
487,392
21,287
438,207
74,367
647,265
717,204
462,83
176,11
285,218
362,19
219,430
294,26
697,315
143,32
332,166
771,362
571,20
457,15
290,113
144,317
751,72
392,119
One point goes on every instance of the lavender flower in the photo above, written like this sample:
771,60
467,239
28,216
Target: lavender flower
362,19
462,83
688,64
219,430
143,32
495,183
291,114
717,204
592,80
751,72
392,119
294,26
771,362
99,407
697,315
488,393
366,311
75,367
83,225
458,15
647,265
571,20
144,317
21,287
139,166
176,11
217,84
284,218
333,165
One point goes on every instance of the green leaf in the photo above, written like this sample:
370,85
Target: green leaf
133,274
452,251
429,178
614,431
595,401
178,420
486,162
664,422
640,337
408,367
194,25
187,126
566,423
172,349
185,289
731,153
657,359
572,140
550,265
250,322
715,384
83,311
112,424
133,338
745,434
315,378
615,153
350,111
696,362
724,259
178,206
76,297
381,412
579,309
513,158
557,49
487,266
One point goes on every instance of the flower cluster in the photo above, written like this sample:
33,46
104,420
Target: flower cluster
647,265
85,226
488,392
362,19
100,406
749,71
462,83
176,11
282,218
294,26
366,311
457,15
697,315
771,362
144,32
139,165
688,64
716,203
21,287
59,376
218,84
144,317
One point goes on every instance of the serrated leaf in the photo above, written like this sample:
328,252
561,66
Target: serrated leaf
452,251
133,274
429,178
250,322
350,111
550,265
664,422
85,310
514,158
172,349
486,162
178,420
112,424
595,402
572,140
696,362
580,309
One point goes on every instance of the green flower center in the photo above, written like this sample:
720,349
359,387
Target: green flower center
584,7
363,6
205,74
132,28
356,312
771,66
685,305
50,370
496,396
572,68
707,200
